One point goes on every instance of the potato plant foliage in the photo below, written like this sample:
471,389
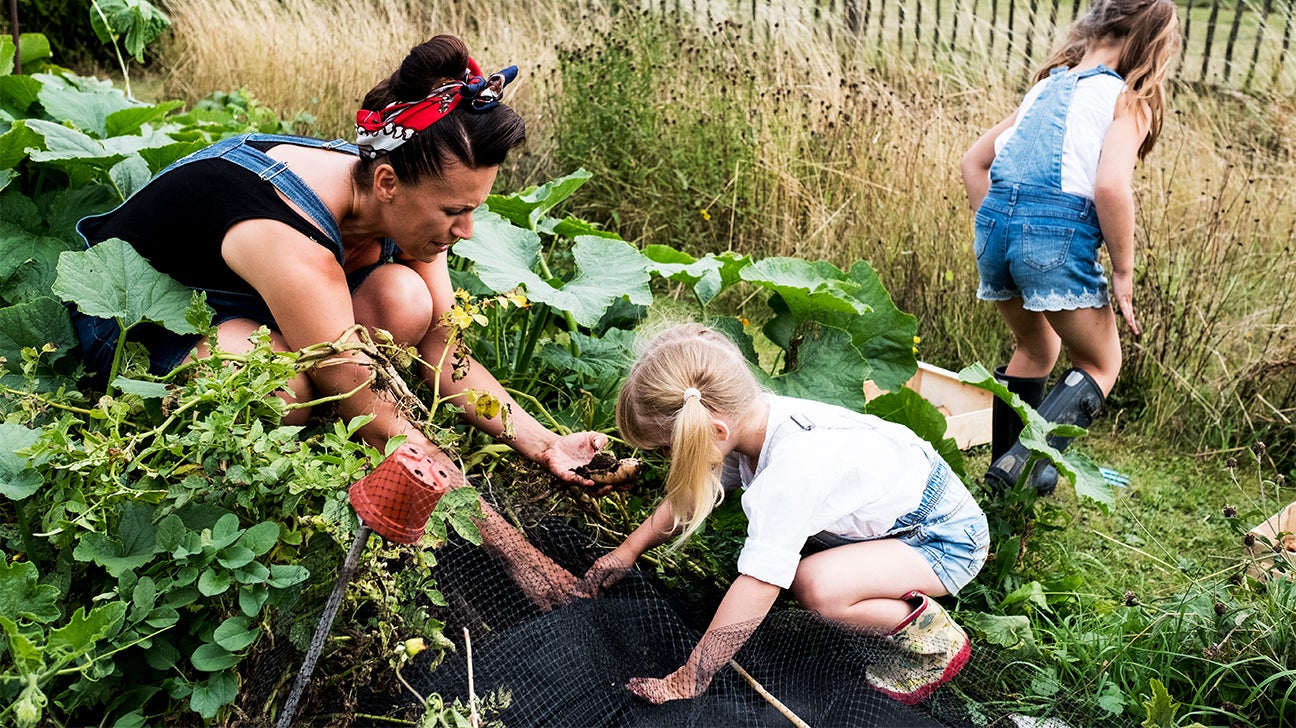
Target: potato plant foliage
153,527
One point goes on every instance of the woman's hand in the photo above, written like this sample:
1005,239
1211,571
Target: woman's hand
679,685
605,573
572,451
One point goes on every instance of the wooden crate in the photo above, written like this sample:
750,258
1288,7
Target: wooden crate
966,408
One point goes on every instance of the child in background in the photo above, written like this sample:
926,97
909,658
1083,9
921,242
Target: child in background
1050,185
894,526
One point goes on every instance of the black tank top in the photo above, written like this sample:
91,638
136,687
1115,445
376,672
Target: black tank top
179,222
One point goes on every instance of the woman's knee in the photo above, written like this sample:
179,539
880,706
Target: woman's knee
396,299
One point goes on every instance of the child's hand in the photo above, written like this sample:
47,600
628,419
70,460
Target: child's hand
605,572
1123,294
679,685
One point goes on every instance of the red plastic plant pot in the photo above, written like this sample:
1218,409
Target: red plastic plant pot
396,499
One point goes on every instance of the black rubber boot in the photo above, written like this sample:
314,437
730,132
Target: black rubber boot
1076,400
1005,423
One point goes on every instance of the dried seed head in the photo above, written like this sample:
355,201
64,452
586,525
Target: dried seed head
1220,609
1131,599
1248,540
1230,511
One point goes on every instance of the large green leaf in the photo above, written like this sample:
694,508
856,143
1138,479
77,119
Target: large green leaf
111,280
528,206
69,147
34,324
133,545
131,119
709,275
7,54
87,103
505,256
18,93
884,334
64,208
599,358
15,143
810,288
18,246
18,479
79,635
829,369
22,596
34,47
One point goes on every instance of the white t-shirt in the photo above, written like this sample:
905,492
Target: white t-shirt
850,474
1093,105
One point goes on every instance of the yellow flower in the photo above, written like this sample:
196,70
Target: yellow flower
917,340
705,215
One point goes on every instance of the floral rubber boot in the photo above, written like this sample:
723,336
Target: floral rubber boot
930,651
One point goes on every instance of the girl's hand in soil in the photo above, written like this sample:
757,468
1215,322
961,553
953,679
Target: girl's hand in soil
679,685
605,572
571,451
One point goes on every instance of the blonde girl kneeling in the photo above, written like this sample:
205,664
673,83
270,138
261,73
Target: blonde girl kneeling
892,524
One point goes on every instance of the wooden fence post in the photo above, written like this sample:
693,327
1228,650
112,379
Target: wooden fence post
1286,43
1232,39
1210,38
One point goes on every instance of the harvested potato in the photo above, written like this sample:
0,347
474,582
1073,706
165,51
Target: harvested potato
605,469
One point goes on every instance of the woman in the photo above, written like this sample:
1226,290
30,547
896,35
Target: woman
310,238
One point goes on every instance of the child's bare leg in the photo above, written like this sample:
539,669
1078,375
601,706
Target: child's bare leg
1091,341
1037,345
862,583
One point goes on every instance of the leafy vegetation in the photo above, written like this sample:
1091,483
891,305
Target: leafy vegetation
157,529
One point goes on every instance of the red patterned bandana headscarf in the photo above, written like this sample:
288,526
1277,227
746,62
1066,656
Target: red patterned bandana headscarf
379,132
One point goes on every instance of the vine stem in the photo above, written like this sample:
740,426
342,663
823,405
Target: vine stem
113,36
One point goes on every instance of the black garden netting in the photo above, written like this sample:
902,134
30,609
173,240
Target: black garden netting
526,652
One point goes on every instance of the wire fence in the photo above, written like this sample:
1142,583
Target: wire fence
1234,44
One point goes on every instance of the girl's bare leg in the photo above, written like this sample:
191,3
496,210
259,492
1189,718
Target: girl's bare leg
1091,341
1038,345
861,583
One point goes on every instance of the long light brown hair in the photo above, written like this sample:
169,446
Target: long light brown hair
1150,29
652,411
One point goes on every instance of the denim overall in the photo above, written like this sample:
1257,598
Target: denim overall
948,528
167,349
1034,241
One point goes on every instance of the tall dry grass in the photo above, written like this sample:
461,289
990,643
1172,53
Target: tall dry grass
707,133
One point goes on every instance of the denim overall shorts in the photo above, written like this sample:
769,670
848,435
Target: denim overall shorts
167,349
1034,241
948,529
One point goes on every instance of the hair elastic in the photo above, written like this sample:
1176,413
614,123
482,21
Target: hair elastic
692,392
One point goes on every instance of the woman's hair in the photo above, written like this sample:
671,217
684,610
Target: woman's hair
1150,29
475,139
652,411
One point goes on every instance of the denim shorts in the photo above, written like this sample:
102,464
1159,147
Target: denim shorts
1040,245
948,529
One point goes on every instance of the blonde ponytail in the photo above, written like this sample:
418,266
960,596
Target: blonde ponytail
687,376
